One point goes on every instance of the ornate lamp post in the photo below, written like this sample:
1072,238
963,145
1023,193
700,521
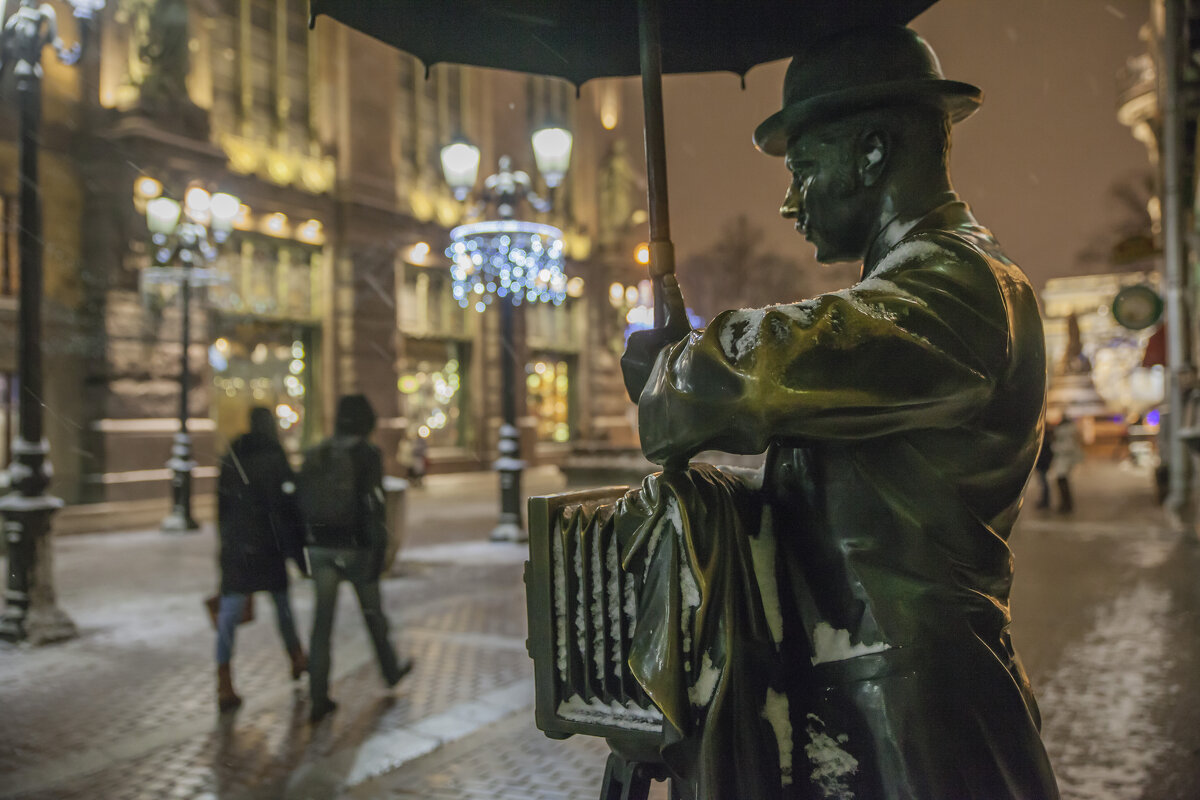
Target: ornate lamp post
185,238
514,262
31,612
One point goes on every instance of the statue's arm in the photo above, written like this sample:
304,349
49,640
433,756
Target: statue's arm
918,349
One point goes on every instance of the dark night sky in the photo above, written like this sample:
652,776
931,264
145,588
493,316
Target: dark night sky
1036,163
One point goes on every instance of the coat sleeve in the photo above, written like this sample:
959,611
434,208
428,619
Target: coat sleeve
920,344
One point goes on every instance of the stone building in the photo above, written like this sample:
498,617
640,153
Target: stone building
335,279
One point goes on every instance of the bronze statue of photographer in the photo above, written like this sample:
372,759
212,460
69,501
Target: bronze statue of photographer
901,418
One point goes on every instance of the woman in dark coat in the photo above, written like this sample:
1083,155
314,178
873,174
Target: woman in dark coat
259,529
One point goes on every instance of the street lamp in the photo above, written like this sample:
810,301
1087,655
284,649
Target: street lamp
514,262
185,237
31,612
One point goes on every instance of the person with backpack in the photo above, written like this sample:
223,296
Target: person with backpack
1042,465
341,496
259,529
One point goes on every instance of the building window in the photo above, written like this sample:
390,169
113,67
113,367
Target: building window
426,307
434,391
8,423
429,114
557,328
264,363
260,70
548,396
10,270
269,278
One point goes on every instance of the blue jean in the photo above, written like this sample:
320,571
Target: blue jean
230,613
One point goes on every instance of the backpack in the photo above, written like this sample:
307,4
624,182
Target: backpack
328,495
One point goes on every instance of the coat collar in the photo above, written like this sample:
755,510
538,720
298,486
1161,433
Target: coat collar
950,213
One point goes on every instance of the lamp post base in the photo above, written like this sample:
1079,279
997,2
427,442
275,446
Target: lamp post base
31,613
509,532
180,519
510,528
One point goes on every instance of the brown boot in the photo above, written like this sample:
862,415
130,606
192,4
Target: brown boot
227,699
299,663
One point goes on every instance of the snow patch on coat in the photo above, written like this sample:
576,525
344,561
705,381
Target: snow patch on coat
915,249
762,553
832,765
741,332
775,711
701,692
833,644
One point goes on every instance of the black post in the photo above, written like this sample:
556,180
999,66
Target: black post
180,463
509,464
31,612
662,251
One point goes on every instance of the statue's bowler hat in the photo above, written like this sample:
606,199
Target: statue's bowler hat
859,69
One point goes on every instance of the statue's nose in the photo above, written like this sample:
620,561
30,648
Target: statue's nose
793,203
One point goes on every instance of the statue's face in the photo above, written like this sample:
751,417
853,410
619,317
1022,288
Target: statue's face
826,197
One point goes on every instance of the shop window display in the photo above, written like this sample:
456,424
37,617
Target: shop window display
548,396
432,383
263,364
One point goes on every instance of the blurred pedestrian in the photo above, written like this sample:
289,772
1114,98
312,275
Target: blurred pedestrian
420,460
259,530
1068,451
412,457
341,496
1044,460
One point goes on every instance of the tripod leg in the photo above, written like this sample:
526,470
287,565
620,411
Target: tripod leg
624,780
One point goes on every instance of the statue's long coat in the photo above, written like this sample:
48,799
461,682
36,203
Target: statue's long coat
903,417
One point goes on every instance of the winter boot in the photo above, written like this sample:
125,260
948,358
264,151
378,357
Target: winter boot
321,708
299,663
227,699
1065,504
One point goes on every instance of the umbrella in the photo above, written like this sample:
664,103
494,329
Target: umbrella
583,39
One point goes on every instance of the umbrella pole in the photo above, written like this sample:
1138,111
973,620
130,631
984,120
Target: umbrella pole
662,252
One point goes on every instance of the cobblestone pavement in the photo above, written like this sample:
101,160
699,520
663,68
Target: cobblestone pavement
508,759
128,708
1107,618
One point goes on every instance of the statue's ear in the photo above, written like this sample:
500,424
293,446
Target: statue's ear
873,150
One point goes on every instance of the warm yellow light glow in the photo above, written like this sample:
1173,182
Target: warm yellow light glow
162,214
616,293
460,166
222,344
631,295
575,287
276,224
420,251
311,232
641,254
242,220
147,188
224,207
552,152
197,200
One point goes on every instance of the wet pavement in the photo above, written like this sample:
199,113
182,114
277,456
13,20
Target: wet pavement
1107,619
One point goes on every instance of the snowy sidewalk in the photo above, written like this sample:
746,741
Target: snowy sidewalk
128,708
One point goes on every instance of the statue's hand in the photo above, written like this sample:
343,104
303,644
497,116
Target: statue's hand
644,346
676,309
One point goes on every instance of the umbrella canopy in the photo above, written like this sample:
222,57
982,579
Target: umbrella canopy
583,39
587,39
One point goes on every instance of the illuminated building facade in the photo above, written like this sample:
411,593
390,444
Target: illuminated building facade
334,279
